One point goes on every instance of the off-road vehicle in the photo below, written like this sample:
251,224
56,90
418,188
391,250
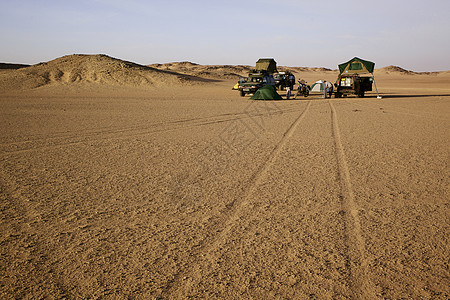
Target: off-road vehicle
355,78
348,84
284,79
254,81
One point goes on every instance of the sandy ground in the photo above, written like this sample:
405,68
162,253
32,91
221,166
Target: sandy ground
195,192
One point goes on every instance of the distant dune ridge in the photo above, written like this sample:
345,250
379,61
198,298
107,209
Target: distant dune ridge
399,70
100,69
106,70
224,71
207,71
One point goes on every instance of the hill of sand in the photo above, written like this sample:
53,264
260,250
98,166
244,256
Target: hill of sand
396,69
400,70
207,71
226,71
97,69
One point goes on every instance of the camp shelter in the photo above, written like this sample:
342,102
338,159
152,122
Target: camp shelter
357,66
318,87
266,93
267,64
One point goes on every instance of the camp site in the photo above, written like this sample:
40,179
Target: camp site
224,150
355,78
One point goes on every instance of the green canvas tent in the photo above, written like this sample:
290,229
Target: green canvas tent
266,64
357,66
266,93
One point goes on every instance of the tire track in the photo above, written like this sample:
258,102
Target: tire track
68,140
226,221
106,130
92,132
359,282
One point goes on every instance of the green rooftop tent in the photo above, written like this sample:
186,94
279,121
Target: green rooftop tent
267,64
357,65
266,93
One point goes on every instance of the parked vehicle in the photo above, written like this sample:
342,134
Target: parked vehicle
353,85
355,78
304,90
254,81
284,79
259,77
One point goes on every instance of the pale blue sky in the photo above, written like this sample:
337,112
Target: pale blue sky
412,34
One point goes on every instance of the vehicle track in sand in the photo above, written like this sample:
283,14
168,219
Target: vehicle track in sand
224,223
67,139
358,262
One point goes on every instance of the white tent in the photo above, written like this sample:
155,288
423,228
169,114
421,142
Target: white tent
319,87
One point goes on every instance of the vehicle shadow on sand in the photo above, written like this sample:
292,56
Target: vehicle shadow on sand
409,96
383,96
373,96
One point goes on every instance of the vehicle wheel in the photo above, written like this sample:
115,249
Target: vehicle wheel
361,94
337,95
242,94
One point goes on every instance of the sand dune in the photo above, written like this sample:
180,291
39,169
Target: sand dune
400,70
208,71
98,69
227,71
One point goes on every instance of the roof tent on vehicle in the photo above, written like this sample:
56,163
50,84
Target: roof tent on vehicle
266,64
357,66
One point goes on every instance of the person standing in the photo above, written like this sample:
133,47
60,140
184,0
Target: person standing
288,92
328,88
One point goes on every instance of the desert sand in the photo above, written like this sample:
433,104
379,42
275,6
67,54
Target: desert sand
160,182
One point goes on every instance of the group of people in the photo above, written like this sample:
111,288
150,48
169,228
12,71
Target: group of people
302,85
